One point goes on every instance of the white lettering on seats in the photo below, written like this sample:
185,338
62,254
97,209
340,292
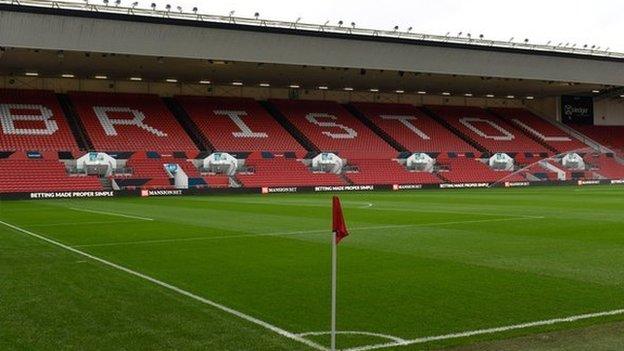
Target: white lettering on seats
538,134
8,119
245,131
349,133
109,123
405,120
467,121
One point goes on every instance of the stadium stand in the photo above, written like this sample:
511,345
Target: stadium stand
129,122
274,137
470,170
238,125
486,130
280,171
21,174
145,173
609,136
331,128
413,129
541,130
32,120
606,166
383,171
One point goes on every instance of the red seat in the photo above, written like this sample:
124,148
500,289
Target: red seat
130,122
541,129
609,136
413,129
487,130
238,125
383,171
331,128
284,172
32,120
41,175
470,170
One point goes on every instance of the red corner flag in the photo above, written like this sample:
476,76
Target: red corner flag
339,227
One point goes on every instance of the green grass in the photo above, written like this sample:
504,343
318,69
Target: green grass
441,262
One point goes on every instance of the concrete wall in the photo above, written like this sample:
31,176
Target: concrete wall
545,107
609,112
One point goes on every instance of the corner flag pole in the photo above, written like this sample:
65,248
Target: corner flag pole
339,232
333,292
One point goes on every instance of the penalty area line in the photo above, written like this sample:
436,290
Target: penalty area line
173,288
466,334
111,214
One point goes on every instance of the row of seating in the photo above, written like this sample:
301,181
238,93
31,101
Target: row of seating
284,172
42,175
383,171
34,120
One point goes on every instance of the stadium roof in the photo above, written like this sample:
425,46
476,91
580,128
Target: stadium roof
53,38
326,28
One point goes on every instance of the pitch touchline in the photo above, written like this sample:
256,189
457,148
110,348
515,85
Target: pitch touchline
111,213
198,298
201,238
569,319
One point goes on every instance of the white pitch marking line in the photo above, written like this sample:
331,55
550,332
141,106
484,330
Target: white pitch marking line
379,335
198,298
111,213
489,331
76,223
368,205
201,238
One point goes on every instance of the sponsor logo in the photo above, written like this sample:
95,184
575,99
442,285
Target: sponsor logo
71,194
570,110
280,190
617,181
464,185
162,193
516,184
344,188
144,192
406,187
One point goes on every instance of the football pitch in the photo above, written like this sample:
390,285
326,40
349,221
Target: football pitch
420,270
